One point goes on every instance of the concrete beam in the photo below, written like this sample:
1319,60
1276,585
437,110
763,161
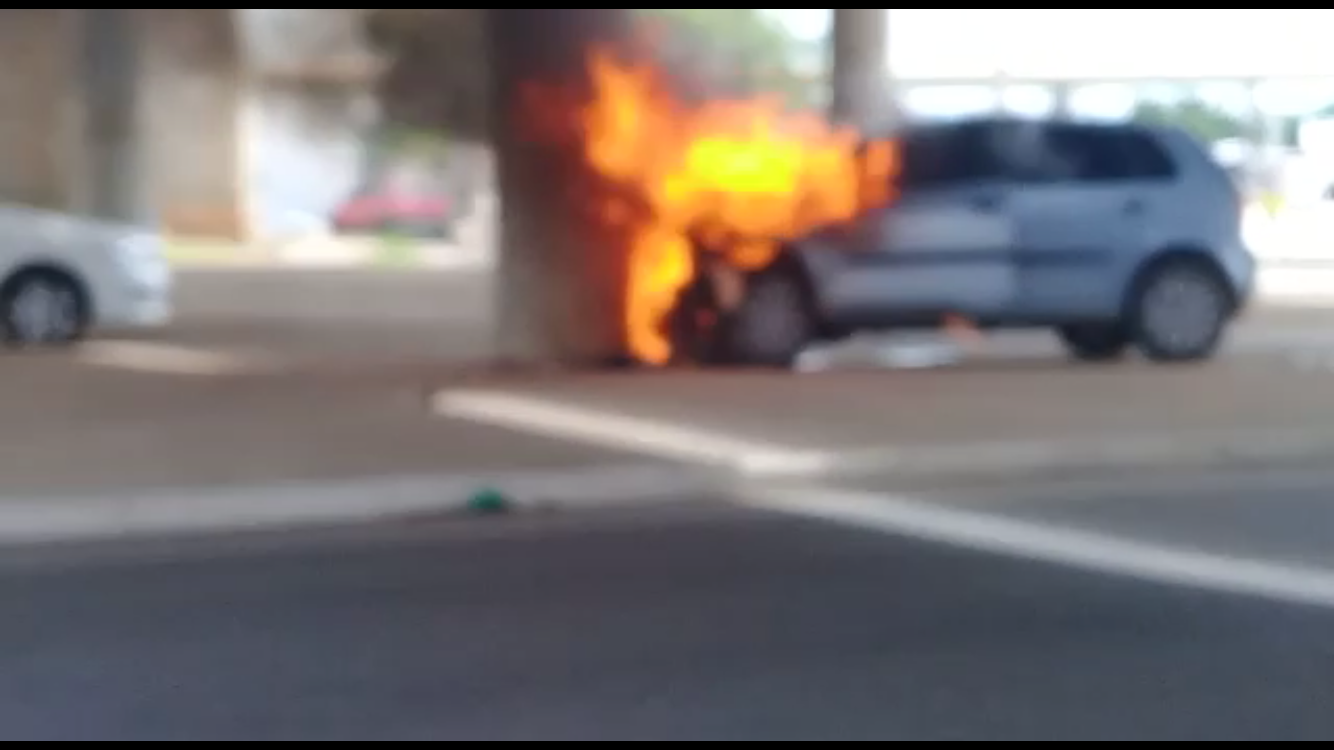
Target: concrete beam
862,93
1079,80
560,280
112,183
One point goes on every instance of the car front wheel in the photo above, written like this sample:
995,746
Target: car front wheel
42,308
1179,312
774,322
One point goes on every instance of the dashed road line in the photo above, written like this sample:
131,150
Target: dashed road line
166,359
660,439
697,444
1050,543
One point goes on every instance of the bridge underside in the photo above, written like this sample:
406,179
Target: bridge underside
140,110
172,113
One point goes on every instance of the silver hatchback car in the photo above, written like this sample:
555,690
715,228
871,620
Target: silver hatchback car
1115,236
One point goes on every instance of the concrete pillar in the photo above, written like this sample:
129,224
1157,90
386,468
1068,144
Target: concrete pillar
1000,93
1062,101
1265,165
112,183
863,90
560,279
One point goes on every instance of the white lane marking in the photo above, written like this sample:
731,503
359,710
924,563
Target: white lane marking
1050,543
697,444
625,432
164,359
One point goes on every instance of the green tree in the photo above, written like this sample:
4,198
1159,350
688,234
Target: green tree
735,51
1211,124
434,74
1204,121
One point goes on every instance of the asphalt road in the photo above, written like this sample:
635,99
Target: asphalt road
332,381
311,313
697,622
1281,514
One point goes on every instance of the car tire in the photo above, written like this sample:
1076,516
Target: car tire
1095,342
1178,311
42,308
774,323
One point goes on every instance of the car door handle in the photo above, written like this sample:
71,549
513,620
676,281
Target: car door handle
1133,207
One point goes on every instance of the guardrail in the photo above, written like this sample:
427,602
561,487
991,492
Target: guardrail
329,252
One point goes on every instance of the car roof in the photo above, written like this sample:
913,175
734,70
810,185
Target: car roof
998,120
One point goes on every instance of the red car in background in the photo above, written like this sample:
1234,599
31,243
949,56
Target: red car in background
422,216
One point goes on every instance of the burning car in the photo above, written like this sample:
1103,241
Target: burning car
1113,236
752,232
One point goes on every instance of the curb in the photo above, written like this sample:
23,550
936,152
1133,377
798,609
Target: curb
451,265
187,512
162,513
444,263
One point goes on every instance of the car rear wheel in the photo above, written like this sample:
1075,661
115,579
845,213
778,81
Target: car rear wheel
1095,342
42,308
774,322
1179,311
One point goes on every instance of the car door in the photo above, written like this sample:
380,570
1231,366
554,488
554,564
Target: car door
1080,207
944,245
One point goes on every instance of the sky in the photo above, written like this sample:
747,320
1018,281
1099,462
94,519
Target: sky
930,43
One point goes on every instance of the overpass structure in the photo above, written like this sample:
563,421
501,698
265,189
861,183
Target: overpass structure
128,112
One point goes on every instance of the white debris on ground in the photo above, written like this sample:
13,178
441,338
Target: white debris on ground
921,350
900,352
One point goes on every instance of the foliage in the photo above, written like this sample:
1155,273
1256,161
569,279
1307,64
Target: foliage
412,142
1210,123
436,72
1204,121
733,51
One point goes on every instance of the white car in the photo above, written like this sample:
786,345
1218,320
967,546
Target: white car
64,276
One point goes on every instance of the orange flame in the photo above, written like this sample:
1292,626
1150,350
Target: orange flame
744,170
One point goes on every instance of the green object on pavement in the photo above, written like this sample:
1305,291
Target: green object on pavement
489,500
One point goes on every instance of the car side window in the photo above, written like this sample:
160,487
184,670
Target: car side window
1100,154
949,156
1147,158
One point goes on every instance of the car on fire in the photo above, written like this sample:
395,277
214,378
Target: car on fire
1116,236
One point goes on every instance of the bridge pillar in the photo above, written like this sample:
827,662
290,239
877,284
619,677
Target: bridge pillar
1062,101
112,182
863,90
559,282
